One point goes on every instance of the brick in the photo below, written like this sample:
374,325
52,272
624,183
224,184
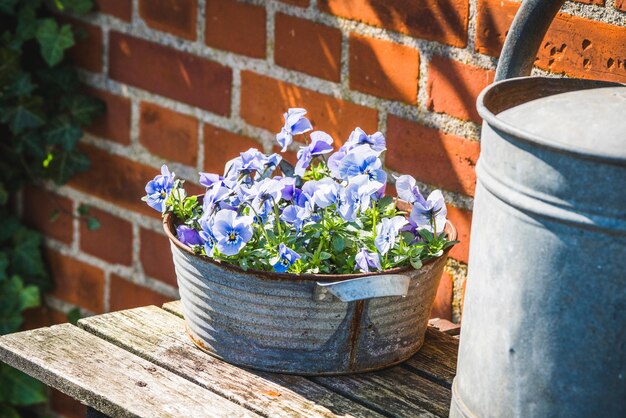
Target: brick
170,73
39,208
87,52
128,295
169,134
264,100
443,21
177,17
299,3
66,406
453,87
42,316
442,307
384,69
115,179
156,256
431,156
114,124
236,27
308,47
462,220
112,242
620,5
221,146
575,46
76,282
122,9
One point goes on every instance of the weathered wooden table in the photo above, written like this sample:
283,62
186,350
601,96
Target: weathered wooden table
140,362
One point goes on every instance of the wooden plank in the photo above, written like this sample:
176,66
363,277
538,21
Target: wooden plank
159,337
108,378
418,387
395,391
436,360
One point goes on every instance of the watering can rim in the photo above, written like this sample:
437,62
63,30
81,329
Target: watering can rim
168,226
494,121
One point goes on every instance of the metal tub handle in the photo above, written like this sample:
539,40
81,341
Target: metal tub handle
364,288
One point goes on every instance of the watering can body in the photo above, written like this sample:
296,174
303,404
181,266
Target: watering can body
544,321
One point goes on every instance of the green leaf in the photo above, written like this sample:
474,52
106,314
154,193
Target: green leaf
10,310
93,223
21,86
77,6
7,411
26,114
416,263
338,244
26,255
9,64
8,6
53,40
58,82
325,256
4,264
73,316
83,210
84,109
29,297
26,23
18,388
8,226
63,132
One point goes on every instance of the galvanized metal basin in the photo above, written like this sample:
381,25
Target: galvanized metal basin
291,324
544,321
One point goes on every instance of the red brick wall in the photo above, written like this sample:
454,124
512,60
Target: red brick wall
191,83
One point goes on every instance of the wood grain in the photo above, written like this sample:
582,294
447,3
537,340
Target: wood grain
108,378
159,336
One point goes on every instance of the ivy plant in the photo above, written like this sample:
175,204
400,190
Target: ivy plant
42,113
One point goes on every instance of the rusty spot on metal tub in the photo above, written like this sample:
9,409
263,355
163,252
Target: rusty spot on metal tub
271,393
196,341
355,333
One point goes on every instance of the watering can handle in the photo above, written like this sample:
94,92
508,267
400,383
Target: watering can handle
524,38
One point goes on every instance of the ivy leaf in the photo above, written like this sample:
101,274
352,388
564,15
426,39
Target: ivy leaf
26,23
63,132
8,226
77,6
18,388
9,64
93,223
26,255
29,297
7,411
73,316
58,81
84,109
4,264
66,164
53,40
22,86
8,6
10,311
27,114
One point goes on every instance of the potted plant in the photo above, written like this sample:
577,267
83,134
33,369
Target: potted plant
307,270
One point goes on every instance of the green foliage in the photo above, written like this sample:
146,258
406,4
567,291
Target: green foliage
42,112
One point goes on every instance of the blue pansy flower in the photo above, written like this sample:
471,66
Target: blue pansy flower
376,141
295,124
430,214
286,257
296,216
322,193
159,188
356,197
362,160
321,143
188,236
267,193
231,231
408,191
206,234
208,179
386,233
214,196
366,260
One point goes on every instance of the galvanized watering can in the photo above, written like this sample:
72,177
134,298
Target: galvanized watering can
307,324
544,325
